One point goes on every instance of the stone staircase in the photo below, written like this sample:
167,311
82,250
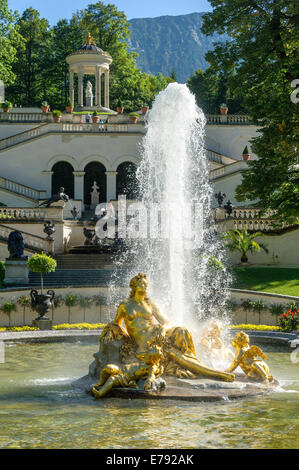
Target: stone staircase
94,270
84,262
72,278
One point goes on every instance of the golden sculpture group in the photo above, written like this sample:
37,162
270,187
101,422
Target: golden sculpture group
151,348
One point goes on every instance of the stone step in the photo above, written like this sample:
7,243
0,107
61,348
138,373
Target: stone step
80,261
73,277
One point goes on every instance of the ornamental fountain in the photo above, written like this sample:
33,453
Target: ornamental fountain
144,352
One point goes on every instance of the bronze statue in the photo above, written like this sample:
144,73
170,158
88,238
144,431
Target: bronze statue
60,196
15,245
141,327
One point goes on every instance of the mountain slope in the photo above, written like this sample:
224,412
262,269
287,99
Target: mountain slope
171,43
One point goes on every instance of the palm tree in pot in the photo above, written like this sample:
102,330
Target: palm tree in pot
243,242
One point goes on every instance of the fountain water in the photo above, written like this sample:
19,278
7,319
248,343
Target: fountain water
179,248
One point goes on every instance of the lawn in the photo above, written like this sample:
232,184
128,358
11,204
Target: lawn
275,280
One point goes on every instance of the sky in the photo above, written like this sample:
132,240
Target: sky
54,10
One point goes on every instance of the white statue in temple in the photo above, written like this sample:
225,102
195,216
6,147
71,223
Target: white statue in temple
89,95
95,195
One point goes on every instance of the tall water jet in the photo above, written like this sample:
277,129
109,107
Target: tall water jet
175,241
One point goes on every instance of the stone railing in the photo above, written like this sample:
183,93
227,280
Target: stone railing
228,169
214,156
231,119
33,242
13,214
22,137
250,219
23,117
70,128
96,128
21,189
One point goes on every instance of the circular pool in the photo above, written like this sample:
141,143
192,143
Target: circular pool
41,409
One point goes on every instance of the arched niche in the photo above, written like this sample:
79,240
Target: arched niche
63,177
126,182
95,172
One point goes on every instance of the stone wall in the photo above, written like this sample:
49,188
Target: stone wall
105,314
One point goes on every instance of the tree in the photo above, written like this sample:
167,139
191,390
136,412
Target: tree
30,62
41,263
10,41
66,38
262,53
111,31
244,242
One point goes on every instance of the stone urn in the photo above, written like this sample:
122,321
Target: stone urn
133,119
41,303
69,109
120,109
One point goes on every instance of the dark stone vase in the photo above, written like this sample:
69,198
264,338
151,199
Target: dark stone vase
42,303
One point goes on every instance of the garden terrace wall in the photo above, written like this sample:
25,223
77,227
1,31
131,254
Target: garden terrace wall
239,316
95,314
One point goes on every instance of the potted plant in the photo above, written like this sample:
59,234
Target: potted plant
223,109
243,242
144,109
95,117
6,106
8,308
69,106
45,107
245,154
71,300
57,115
120,108
41,263
134,117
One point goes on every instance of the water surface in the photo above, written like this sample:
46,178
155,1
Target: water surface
40,409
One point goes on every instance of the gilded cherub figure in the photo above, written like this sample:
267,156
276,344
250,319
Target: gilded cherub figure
212,344
148,368
247,357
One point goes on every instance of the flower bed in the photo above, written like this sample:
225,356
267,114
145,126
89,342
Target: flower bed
64,326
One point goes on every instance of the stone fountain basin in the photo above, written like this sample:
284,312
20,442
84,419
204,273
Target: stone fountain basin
201,389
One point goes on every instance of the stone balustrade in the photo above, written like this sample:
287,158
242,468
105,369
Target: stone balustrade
12,214
21,189
214,156
230,119
23,117
228,169
19,138
31,241
99,127
250,218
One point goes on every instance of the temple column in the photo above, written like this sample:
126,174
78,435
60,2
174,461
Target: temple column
79,185
72,89
98,86
111,185
80,88
107,104
48,184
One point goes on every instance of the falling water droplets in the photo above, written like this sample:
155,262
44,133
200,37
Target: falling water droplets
173,179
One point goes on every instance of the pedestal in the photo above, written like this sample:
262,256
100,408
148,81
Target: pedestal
16,272
42,324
